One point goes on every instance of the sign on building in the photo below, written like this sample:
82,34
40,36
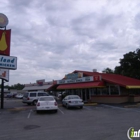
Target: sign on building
79,80
74,75
40,82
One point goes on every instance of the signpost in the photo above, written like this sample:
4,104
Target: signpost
6,61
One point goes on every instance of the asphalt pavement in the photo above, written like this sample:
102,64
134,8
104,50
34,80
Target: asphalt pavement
93,122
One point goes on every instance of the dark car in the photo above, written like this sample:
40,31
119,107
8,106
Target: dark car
9,95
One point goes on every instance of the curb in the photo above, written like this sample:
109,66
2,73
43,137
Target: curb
132,106
90,104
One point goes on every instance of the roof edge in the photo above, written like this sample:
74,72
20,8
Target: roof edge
132,87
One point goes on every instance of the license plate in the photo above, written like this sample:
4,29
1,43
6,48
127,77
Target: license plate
47,107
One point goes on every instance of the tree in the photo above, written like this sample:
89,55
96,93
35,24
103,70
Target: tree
15,86
129,65
108,70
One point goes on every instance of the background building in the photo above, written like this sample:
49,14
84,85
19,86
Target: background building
40,85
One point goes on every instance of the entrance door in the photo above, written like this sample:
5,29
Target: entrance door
85,95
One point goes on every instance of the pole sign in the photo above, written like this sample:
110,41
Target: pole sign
8,62
3,20
5,37
4,74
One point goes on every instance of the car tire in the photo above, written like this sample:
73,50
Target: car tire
37,111
67,106
34,102
28,103
81,107
55,111
63,105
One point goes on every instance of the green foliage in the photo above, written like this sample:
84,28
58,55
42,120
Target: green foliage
15,86
129,65
108,70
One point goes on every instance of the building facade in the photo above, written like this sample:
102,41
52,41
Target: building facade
99,87
40,85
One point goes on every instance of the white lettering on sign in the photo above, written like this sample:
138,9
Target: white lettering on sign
8,62
79,80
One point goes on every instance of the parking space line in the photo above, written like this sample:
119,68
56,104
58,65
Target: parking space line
60,110
126,109
113,107
29,114
87,108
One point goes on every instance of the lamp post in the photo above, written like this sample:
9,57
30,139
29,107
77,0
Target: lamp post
3,24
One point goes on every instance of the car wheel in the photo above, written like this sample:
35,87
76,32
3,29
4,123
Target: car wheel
81,107
34,102
67,106
63,105
55,111
29,103
37,111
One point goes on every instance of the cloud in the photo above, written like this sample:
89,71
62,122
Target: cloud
53,38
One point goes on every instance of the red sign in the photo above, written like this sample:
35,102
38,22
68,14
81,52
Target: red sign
5,36
40,83
97,78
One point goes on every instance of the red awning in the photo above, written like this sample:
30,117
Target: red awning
81,85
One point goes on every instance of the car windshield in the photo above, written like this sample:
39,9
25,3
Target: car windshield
73,97
46,99
43,94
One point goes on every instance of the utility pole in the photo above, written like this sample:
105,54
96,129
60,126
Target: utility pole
2,93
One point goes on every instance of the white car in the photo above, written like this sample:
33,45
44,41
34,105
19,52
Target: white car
72,101
46,103
19,96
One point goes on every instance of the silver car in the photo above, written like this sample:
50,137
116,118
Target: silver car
72,101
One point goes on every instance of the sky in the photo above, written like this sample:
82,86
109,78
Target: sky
51,38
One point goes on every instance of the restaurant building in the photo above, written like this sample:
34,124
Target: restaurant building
99,87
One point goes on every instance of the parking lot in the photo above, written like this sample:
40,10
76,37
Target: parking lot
97,122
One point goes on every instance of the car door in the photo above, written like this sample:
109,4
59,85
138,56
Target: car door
25,96
33,96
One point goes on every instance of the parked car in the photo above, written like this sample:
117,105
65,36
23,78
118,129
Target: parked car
32,97
14,95
9,95
72,101
46,103
19,96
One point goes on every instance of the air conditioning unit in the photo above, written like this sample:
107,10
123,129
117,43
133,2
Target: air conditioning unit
94,70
